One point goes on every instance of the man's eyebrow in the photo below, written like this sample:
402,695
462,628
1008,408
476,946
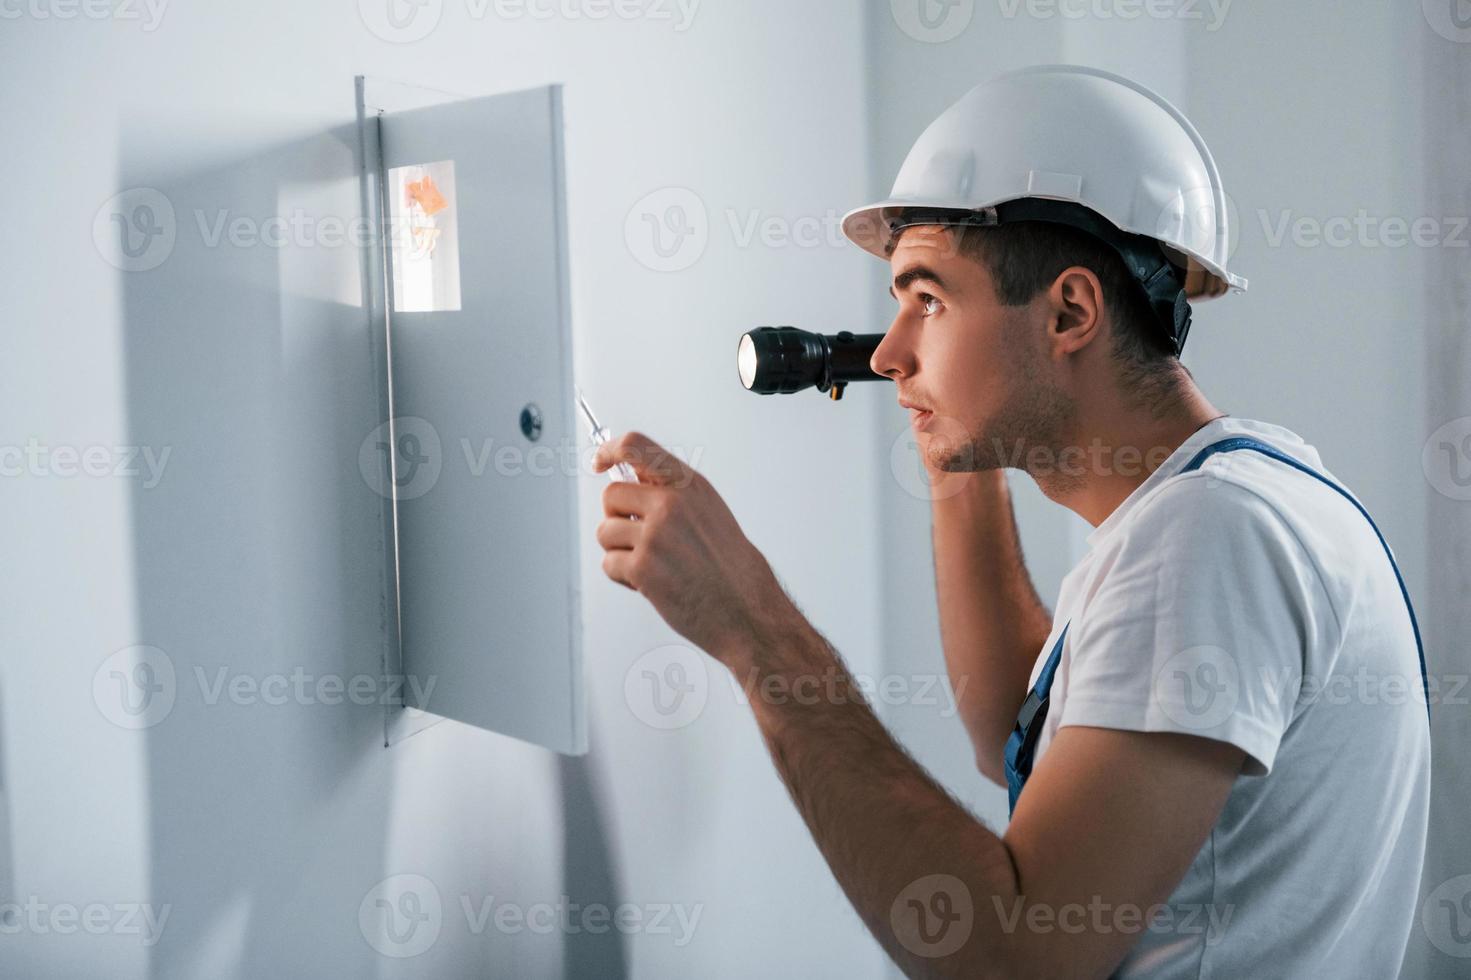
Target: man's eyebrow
915,273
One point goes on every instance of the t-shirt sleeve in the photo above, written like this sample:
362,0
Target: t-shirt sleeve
1200,622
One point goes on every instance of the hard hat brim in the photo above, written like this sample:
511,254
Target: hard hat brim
870,228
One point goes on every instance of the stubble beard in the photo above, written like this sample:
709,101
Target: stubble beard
1032,426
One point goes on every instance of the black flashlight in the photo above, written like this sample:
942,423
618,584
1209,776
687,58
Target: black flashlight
774,360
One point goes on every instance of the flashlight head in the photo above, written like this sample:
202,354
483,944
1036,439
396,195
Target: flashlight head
781,360
772,360
746,361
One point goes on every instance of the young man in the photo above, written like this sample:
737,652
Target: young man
1222,731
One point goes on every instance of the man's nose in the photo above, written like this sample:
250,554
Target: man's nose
894,356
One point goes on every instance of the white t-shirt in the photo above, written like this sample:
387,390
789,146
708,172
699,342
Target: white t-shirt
1248,602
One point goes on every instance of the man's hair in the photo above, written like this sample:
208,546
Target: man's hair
1025,257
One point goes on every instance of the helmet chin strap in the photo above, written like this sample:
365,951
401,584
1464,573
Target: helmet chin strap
1162,280
1165,288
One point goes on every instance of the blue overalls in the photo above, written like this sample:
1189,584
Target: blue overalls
1021,746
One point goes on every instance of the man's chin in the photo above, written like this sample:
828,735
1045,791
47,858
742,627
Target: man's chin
967,456
953,458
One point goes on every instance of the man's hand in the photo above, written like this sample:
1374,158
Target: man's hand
686,554
1110,819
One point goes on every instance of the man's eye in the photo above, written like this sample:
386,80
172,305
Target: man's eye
930,303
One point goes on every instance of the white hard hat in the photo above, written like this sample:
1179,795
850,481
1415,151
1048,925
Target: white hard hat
1092,140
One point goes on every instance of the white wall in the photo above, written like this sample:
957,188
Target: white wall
1444,119
263,827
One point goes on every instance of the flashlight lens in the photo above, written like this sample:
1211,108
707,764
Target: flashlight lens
746,361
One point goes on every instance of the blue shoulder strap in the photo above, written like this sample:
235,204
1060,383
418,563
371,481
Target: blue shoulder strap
1021,745
1256,445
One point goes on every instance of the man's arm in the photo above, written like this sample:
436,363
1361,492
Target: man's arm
992,624
1107,827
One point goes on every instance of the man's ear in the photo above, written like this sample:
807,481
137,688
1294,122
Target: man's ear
1075,310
